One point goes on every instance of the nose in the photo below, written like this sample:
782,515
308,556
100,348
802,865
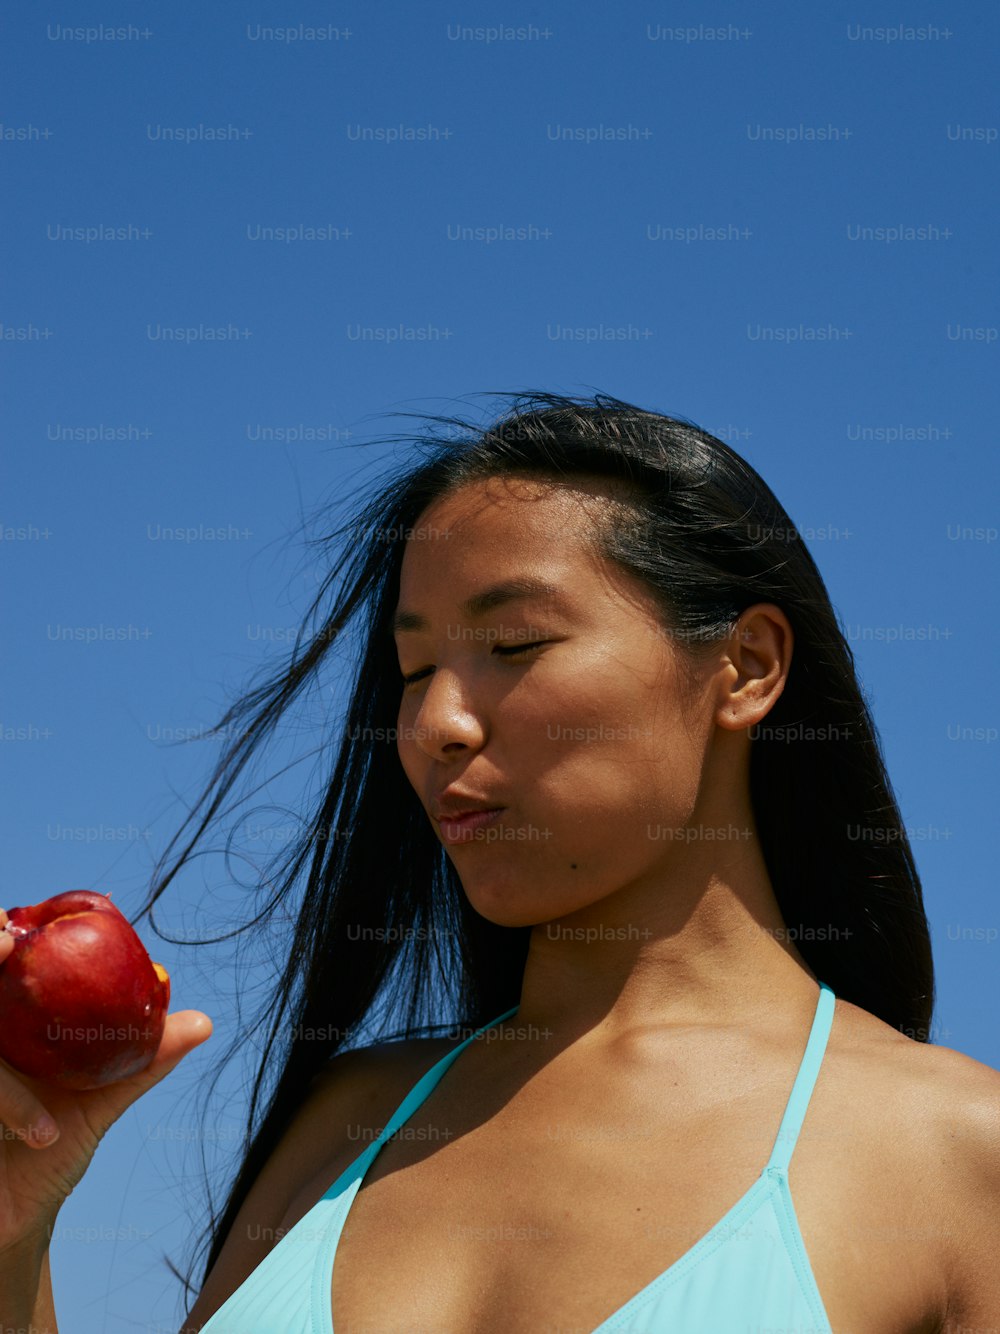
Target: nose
446,719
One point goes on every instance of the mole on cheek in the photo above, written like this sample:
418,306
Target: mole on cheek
572,866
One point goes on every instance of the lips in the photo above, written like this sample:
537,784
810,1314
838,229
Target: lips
452,806
465,827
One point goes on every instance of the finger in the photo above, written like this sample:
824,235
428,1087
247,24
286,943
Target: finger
22,1113
184,1030
5,935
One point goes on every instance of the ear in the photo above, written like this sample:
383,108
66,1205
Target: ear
755,663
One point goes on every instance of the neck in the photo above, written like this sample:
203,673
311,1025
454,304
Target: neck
704,945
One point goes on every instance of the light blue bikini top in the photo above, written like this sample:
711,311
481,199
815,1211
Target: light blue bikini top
750,1270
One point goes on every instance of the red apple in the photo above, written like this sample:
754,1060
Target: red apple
81,1002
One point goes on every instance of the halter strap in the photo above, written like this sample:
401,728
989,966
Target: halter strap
427,1082
798,1099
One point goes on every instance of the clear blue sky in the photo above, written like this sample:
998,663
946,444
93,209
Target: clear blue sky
791,223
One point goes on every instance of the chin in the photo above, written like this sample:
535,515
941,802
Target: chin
505,908
506,905
504,915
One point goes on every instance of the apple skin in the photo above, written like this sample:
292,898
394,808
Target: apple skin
81,1003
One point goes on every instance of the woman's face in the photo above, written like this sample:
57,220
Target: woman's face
594,742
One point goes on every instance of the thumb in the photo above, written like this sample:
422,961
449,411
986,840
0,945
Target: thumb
184,1030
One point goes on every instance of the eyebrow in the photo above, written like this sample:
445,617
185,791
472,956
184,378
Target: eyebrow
480,604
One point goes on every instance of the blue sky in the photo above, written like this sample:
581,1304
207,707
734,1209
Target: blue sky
773,221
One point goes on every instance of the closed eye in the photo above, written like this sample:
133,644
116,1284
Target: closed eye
504,652
522,648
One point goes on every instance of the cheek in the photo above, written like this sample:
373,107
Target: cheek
613,752
607,701
412,759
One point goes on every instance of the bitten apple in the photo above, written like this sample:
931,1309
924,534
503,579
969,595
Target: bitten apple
81,1002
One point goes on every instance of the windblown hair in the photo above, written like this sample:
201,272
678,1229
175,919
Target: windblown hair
696,523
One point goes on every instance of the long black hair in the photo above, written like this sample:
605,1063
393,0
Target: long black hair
382,916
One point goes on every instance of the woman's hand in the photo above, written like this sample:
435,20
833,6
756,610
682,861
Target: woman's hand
38,1172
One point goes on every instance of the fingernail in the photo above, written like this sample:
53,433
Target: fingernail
44,1129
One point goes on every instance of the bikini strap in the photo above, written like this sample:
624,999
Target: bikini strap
422,1088
798,1099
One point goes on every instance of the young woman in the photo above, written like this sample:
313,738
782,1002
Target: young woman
674,962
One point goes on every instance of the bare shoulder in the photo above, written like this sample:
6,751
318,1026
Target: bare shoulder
376,1072
357,1091
949,1098
357,1088
966,1130
354,1096
951,1086
942,1108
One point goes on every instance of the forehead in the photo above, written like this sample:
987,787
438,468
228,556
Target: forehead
528,536
499,514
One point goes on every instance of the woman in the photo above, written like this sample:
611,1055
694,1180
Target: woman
598,623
